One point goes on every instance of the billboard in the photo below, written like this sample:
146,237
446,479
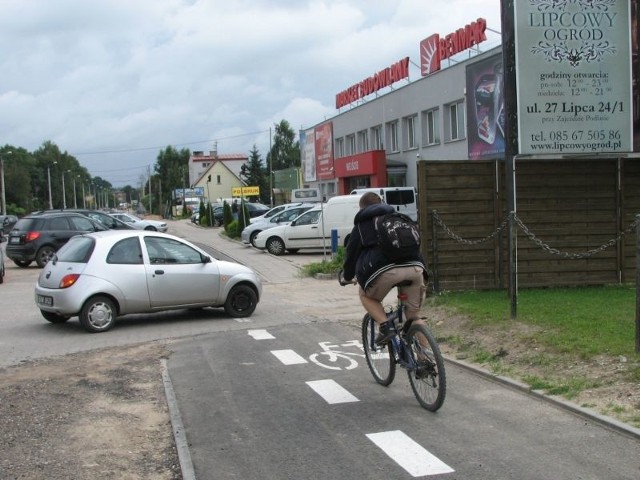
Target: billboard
573,67
308,150
323,143
485,109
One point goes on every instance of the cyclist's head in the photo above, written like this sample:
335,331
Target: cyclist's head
369,198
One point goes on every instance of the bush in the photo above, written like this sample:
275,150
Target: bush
332,266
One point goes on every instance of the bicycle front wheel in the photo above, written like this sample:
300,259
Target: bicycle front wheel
379,358
428,380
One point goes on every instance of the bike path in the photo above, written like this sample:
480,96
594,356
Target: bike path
254,404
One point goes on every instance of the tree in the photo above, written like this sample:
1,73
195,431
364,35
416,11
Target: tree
285,151
171,168
254,173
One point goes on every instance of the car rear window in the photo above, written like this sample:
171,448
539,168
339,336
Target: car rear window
400,197
76,250
26,224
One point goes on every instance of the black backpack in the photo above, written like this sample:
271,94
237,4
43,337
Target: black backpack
398,236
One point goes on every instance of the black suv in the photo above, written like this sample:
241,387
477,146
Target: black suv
105,219
38,237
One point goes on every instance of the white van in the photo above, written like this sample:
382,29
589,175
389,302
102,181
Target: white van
312,229
306,195
403,199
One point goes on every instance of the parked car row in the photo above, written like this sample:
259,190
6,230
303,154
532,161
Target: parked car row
36,237
311,228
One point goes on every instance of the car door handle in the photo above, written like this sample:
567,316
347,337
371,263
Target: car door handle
159,272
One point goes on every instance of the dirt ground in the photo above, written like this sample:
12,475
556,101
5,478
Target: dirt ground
96,415
103,414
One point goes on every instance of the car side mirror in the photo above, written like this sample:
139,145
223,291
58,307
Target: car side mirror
205,258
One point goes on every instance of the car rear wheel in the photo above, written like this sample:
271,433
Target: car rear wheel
53,317
275,246
45,254
98,314
241,301
22,263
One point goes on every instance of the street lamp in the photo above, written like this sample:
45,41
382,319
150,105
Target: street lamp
64,193
84,198
4,198
75,198
49,183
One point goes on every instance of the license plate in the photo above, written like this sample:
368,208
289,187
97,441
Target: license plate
44,300
14,239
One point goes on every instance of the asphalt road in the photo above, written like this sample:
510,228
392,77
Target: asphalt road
255,404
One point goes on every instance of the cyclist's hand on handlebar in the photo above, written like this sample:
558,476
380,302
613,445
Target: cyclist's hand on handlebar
343,282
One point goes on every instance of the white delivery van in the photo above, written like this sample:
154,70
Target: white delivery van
403,199
312,229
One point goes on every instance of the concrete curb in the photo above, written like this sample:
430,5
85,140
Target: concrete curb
179,434
608,422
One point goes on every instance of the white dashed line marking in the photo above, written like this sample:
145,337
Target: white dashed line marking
331,391
260,335
416,460
288,357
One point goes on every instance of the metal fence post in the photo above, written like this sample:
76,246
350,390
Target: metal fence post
637,284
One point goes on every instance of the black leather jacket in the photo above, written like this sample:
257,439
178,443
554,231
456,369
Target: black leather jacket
364,258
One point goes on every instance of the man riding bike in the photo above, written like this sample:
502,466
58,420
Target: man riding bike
375,273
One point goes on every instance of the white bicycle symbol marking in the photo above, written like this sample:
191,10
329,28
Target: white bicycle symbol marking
330,353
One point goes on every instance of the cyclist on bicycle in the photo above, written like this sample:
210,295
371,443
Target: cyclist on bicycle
375,273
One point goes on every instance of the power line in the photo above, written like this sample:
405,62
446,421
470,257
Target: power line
139,149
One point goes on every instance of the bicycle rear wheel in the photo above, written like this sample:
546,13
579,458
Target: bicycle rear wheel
379,358
428,380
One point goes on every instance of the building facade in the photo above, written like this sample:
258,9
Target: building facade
378,142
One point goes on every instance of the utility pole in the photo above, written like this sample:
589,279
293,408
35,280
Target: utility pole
4,197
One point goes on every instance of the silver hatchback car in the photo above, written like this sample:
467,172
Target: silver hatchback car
100,276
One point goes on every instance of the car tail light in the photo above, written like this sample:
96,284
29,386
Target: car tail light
69,280
31,236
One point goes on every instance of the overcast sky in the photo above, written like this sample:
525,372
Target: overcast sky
113,82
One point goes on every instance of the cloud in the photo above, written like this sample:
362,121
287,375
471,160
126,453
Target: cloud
126,77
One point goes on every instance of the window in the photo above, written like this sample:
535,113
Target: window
126,251
339,147
430,127
58,223
392,132
351,145
363,141
455,122
82,224
410,129
219,179
376,136
308,218
169,251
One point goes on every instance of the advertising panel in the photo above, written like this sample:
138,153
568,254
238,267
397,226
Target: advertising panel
324,151
485,109
573,68
308,149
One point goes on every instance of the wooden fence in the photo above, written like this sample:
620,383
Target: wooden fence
575,222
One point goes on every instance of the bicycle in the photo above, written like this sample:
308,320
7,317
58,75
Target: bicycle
413,347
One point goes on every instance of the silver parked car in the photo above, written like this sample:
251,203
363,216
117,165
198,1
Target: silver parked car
284,217
140,224
103,275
